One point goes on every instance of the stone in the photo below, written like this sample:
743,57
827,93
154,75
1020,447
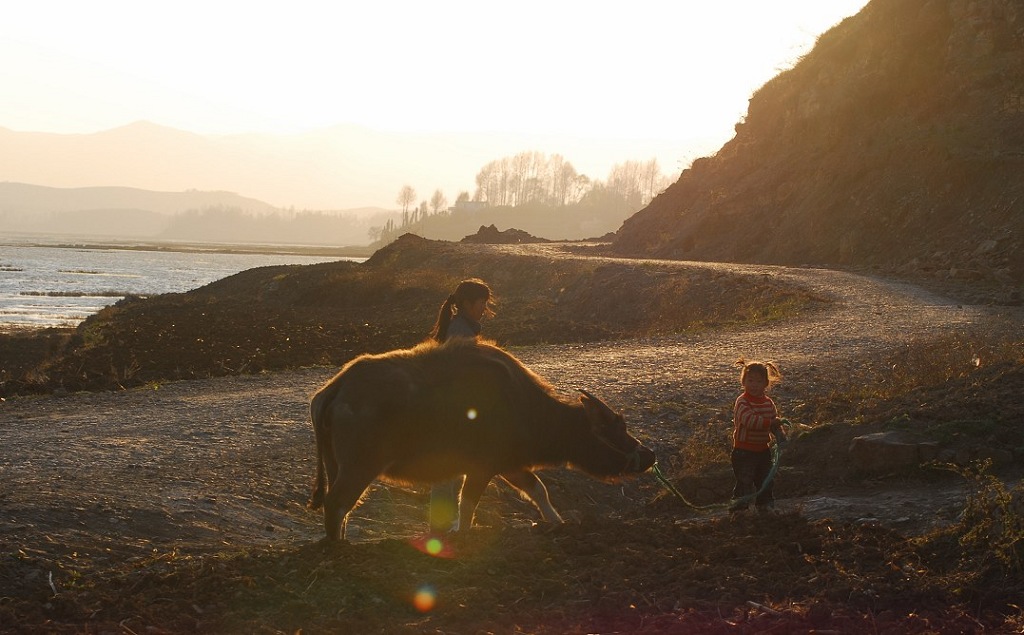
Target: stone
883,452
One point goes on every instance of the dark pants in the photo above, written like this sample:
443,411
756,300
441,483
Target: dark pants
751,469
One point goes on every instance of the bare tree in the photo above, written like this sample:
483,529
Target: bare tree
652,181
529,177
385,233
493,182
438,202
564,181
405,198
625,179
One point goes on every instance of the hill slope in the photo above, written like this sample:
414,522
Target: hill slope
187,216
898,142
34,199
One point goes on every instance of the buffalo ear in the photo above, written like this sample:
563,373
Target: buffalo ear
593,404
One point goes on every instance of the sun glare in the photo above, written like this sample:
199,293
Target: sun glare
651,69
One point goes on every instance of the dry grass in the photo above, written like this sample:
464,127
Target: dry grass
917,368
990,533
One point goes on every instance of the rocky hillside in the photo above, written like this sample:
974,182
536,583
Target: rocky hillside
897,143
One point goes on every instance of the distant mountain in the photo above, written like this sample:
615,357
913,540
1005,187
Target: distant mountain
897,142
26,198
194,216
151,157
340,167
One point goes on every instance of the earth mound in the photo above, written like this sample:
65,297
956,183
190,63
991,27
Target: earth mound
493,236
291,316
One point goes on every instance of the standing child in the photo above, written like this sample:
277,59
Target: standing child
460,316
755,422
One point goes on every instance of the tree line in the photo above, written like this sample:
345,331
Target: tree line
532,179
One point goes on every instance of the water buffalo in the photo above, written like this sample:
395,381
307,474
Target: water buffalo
436,411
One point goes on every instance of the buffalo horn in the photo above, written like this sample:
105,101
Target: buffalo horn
591,397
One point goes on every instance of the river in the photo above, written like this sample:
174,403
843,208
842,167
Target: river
48,282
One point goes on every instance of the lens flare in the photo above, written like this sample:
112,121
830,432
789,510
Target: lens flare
434,546
471,414
425,599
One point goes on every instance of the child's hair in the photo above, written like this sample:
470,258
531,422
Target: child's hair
768,370
469,290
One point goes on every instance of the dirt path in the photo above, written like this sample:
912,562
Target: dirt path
206,465
869,317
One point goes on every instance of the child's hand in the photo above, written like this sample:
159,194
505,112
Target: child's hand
779,434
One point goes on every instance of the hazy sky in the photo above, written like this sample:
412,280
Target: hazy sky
670,70
627,70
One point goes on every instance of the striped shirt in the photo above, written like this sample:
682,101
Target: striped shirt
752,420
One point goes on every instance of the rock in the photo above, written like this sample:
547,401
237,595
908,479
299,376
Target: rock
986,247
885,451
889,451
491,235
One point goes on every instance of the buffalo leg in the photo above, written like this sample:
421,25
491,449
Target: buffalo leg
344,492
338,503
530,484
472,489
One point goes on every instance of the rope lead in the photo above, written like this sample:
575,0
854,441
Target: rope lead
745,500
